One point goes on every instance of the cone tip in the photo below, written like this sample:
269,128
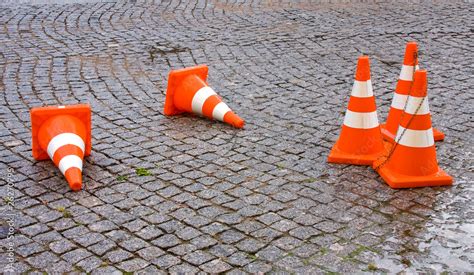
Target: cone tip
239,123
74,178
411,54
75,186
363,68
234,120
421,73
420,80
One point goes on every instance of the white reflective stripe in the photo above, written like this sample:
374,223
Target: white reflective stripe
361,120
68,162
64,139
398,101
220,110
200,97
414,102
362,89
407,72
415,138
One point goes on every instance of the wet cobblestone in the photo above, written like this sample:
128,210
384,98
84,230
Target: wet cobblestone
216,199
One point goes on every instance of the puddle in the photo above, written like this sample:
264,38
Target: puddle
446,244
451,232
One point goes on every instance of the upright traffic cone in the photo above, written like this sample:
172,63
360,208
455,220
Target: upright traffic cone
412,162
360,141
63,134
188,92
402,90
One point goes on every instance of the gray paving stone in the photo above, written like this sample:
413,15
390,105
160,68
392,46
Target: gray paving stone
34,229
107,270
89,264
102,247
76,255
135,225
166,261
269,218
188,233
184,269
304,233
258,267
166,241
182,249
89,239
150,253
42,260
215,266
270,253
231,236
203,241
133,244
61,246
29,249
149,232
63,224
249,226
306,250
150,270
250,245
117,256
284,225
240,259
171,226
267,234
198,257
222,250
214,228
103,226
287,243
133,265
58,267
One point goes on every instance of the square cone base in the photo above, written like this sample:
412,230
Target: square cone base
40,114
396,180
388,136
338,156
175,78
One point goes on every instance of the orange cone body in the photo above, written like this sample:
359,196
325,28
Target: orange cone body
413,161
400,96
360,141
63,134
188,92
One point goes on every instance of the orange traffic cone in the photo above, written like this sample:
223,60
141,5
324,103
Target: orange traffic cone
360,141
405,80
412,161
188,92
63,134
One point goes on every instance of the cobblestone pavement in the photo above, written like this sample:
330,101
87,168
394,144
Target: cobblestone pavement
210,198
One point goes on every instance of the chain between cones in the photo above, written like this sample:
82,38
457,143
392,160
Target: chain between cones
401,118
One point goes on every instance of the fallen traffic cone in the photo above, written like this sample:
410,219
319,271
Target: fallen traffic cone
63,134
412,161
360,141
405,80
188,92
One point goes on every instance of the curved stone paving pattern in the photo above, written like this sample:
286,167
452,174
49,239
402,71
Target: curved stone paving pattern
219,199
